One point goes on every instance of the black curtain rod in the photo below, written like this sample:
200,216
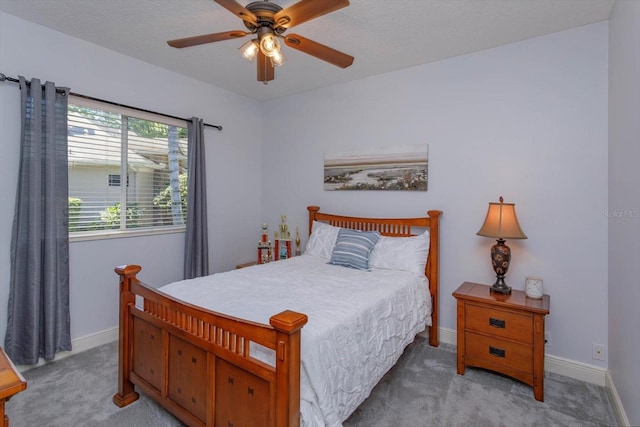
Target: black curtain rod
14,80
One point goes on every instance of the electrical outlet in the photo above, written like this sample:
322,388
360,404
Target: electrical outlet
598,352
547,338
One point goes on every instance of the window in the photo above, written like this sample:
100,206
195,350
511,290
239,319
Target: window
108,143
114,180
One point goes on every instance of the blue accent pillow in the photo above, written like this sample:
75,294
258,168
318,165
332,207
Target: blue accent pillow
353,247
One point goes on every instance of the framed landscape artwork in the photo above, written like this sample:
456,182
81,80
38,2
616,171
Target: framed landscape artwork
393,169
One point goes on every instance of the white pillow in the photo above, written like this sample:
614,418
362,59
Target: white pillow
322,240
401,253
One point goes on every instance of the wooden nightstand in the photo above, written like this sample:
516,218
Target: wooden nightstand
503,333
11,382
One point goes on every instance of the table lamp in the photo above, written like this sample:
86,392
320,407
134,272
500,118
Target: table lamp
501,223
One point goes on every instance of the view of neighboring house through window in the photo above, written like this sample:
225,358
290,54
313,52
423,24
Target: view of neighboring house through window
127,170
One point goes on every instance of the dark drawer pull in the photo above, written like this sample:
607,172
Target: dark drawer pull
497,323
498,352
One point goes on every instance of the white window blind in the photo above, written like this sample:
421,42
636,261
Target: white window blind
127,170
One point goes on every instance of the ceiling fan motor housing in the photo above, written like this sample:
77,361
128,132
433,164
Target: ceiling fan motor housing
264,12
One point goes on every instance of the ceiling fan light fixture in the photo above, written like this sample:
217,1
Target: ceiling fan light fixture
269,45
278,58
249,49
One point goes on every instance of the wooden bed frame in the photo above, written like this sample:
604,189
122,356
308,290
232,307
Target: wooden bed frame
196,363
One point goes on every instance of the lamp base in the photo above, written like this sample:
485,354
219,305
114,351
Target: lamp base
501,287
500,259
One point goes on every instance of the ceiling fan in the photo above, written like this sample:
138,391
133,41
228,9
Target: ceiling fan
268,22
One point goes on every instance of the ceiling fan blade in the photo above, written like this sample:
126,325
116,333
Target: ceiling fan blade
305,10
206,38
265,68
318,50
238,10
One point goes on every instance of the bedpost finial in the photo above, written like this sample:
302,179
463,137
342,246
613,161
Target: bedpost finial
127,270
434,213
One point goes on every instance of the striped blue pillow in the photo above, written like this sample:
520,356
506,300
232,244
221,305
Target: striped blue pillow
353,247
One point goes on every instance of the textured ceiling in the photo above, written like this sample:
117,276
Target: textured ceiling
383,36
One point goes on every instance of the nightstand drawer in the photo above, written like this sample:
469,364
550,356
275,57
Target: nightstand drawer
499,323
498,353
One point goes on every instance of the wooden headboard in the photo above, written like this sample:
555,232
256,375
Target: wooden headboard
398,227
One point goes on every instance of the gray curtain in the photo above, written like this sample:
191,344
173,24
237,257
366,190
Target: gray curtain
196,253
38,323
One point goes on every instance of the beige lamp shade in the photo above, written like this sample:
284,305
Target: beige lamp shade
501,222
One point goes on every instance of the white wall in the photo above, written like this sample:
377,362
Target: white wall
527,121
233,163
624,204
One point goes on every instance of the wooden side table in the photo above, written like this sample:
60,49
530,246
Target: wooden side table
502,333
246,264
11,382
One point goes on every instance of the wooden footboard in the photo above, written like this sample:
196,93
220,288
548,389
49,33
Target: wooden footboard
197,363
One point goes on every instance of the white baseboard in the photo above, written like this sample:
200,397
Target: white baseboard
448,336
576,370
80,344
617,402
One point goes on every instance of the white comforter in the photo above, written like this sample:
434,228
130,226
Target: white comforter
359,322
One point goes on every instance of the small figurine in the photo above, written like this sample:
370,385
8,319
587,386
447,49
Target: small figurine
284,228
264,247
282,251
297,241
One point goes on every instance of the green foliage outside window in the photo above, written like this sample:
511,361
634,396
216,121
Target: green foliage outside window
110,217
74,212
163,199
